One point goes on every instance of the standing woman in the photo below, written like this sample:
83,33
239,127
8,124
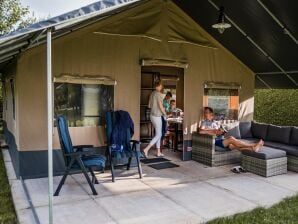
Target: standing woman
157,111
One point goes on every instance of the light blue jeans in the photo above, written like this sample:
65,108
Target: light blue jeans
157,124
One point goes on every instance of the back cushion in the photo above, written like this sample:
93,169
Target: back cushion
259,130
294,136
245,129
279,134
235,132
233,129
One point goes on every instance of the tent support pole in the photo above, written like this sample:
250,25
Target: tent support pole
259,78
50,123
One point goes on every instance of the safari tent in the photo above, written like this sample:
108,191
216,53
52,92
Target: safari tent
100,57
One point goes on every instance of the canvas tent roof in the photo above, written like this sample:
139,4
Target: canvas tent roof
256,37
16,42
272,26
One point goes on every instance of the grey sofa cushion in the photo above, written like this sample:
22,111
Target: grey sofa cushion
221,149
245,129
235,132
266,153
279,134
294,136
259,130
290,149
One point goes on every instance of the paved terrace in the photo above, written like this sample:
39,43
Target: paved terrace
191,193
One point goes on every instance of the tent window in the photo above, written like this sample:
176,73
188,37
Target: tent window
83,104
225,102
13,98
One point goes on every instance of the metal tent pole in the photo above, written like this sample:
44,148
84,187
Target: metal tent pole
50,123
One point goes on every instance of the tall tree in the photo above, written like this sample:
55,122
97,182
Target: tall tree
14,16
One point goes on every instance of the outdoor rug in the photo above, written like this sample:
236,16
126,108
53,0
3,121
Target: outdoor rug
154,160
165,165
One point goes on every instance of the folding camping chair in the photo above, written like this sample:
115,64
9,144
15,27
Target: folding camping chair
77,158
113,157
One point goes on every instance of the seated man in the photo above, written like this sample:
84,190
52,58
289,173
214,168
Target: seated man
174,111
171,128
172,105
210,127
172,108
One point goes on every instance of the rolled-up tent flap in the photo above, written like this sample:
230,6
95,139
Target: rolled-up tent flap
164,62
222,85
85,79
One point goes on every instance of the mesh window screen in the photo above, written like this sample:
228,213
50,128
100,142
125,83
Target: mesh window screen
83,104
225,102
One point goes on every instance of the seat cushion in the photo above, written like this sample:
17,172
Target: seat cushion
259,130
294,136
279,134
266,153
245,129
290,149
221,149
98,161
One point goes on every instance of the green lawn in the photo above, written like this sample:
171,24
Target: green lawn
286,212
7,212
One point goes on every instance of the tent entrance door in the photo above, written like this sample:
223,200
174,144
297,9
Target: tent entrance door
173,82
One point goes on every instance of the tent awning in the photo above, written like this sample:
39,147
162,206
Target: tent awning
264,36
19,41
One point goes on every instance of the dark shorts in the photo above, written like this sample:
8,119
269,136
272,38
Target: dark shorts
219,142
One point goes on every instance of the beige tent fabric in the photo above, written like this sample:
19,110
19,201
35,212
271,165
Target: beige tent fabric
143,21
118,57
182,29
157,20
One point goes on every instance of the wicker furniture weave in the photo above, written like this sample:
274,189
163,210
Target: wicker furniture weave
292,163
203,151
266,168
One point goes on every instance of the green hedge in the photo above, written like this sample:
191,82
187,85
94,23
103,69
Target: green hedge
276,106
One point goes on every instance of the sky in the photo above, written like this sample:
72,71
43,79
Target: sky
45,8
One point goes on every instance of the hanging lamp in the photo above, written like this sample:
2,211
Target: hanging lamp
221,25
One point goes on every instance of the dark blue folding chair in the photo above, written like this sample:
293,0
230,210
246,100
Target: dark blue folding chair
131,151
78,158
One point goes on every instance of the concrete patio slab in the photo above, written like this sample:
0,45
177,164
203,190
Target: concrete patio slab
38,191
25,216
287,181
252,189
126,182
10,171
6,156
146,207
191,193
19,195
206,200
76,212
183,174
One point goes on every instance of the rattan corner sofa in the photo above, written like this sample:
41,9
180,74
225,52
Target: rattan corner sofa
275,137
205,151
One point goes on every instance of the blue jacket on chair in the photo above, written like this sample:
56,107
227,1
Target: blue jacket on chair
120,129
